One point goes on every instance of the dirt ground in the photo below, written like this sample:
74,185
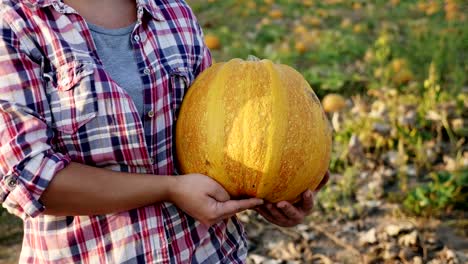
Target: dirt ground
381,236
10,238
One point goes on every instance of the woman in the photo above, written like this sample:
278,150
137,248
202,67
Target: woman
89,92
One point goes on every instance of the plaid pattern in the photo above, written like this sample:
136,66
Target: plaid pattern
58,104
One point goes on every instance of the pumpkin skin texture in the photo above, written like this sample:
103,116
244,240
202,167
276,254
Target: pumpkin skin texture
255,127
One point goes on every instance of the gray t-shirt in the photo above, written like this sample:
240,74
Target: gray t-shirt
116,53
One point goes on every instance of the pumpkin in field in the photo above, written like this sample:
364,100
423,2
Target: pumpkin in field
212,42
333,103
257,128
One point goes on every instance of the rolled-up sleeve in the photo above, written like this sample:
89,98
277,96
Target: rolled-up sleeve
206,59
27,160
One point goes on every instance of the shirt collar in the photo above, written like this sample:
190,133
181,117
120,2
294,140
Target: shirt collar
41,3
150,6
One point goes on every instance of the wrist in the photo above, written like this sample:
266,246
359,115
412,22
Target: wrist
172,188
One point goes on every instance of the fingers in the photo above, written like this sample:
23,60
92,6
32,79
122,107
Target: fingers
307,201
266,214
286,214
276,213
278,217
323,182
219,193
291,212
234,206
218,211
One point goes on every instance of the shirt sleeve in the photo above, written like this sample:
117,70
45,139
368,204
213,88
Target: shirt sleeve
206,60
27,161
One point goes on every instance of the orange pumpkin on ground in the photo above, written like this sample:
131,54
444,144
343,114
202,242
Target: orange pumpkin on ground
212,42
257,128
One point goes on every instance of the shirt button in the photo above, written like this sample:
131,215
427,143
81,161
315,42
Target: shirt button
150,114
146,71
136,38
152,160
12,183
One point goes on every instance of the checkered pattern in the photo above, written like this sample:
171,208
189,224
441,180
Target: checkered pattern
58,104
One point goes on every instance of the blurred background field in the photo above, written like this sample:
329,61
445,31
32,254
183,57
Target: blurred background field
399,185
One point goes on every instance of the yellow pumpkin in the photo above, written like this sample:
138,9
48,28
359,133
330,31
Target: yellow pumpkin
333,103
212,42
276,14
257,128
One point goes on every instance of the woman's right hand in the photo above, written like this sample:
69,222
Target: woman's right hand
206,200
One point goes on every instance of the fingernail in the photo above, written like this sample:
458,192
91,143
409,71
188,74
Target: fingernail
281,206
260,201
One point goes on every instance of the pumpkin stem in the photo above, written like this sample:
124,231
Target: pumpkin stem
252,58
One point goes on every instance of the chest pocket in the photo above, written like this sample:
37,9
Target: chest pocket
180,80
72,96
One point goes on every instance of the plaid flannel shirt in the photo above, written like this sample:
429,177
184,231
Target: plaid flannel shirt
58,104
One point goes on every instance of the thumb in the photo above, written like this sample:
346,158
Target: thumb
218,193
323,182
234,206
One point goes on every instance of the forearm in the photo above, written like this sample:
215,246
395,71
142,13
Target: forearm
83,190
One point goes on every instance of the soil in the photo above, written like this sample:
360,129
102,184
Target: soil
365,239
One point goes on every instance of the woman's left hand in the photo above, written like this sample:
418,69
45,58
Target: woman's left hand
286,214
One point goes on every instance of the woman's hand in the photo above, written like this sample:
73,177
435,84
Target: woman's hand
286,214
206,200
